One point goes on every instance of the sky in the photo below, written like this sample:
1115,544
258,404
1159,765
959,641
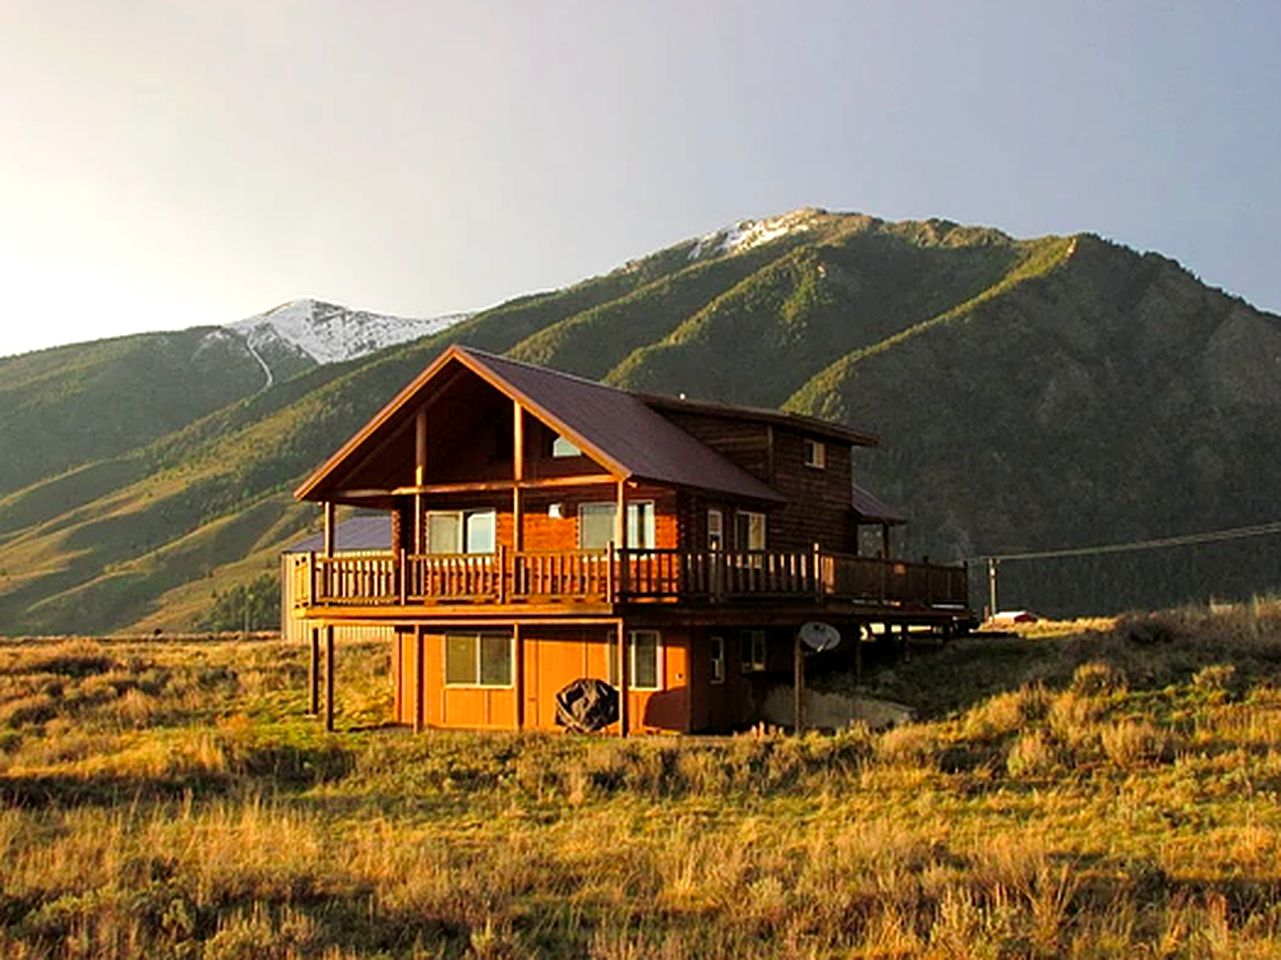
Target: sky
165,165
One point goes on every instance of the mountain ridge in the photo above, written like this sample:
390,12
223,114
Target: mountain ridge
1020,386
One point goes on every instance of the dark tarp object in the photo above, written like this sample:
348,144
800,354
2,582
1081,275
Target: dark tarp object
586,705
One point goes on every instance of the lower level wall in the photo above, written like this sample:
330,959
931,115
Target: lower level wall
545,659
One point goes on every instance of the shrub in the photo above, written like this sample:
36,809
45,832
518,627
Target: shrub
1033,754
1131,742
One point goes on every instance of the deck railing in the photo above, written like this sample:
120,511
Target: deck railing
621,576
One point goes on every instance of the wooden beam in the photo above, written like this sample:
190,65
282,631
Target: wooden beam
328,509
420,448
498,486
518,651
621,627
518,473
329,679
419,670
313,676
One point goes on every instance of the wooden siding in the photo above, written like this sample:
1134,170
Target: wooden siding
552,657
741,442
818,508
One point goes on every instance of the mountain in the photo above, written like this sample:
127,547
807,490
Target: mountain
71,405
328,333
1031,393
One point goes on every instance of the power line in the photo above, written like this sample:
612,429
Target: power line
1211,536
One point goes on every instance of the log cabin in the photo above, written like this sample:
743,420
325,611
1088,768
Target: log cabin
546,528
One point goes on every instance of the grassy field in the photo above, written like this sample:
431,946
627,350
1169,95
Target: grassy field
1095,792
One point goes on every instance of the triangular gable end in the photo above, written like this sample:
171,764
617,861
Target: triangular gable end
382,440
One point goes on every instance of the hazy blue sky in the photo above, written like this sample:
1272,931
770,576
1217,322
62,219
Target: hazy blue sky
164,164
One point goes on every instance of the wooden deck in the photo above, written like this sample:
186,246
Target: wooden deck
479,583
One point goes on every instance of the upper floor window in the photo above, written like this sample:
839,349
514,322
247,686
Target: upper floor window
461,531
564,448
749,533
596,525
815,454
715,529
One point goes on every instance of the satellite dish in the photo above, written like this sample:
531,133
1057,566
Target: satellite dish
819,637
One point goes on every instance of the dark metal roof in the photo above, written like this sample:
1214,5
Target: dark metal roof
623,427
355,533
873,509
792,421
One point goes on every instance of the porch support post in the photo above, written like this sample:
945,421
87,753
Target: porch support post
620,540
885,541
329,528
991,586
798,683
858,653
420,477
313,674
518,474
329,679
419,647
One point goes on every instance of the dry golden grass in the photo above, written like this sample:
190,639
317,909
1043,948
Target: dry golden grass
1117,798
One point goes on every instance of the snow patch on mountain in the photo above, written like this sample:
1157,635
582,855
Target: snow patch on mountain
747,234
329,333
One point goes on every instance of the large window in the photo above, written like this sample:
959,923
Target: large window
715,529
461,531
478,660
644,660
596,525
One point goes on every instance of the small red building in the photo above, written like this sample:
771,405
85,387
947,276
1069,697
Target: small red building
547,528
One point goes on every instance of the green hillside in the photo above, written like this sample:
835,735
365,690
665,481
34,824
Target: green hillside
1031,394
71,405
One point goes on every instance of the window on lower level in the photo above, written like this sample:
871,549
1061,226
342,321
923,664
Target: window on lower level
646,660
717,660
478,660
754,650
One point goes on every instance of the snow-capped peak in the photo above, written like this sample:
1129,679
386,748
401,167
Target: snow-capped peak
329,333
747,234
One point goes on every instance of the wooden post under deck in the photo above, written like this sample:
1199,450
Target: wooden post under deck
329,679
798,683
313,676
419,647
622,678
518,644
